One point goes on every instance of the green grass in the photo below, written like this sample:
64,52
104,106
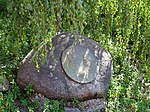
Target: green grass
121,26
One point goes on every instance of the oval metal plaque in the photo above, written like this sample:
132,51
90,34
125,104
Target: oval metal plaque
79,64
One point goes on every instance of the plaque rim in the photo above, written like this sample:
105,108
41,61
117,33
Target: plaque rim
66,72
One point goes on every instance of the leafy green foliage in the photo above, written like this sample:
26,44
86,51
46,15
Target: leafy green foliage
75,103
29,90
3,7
53,106
121,26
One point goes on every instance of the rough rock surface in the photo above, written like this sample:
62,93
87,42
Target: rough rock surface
68,109
4,84
93,105
51,80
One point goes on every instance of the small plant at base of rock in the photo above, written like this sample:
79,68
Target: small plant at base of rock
29,89
25,102
75,102
54,106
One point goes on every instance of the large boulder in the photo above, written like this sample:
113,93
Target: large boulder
59,79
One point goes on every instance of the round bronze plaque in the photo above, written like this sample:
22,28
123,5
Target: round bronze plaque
79,64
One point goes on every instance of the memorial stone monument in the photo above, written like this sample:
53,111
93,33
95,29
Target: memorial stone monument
75,67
